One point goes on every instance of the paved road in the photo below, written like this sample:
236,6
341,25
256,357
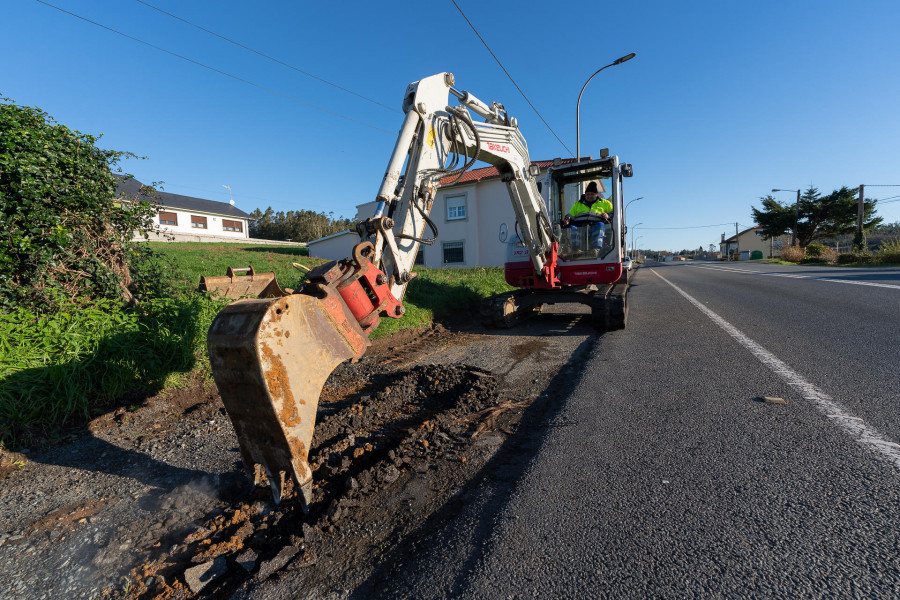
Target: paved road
663,476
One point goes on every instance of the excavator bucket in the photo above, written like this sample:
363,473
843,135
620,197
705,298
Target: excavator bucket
270,359
251,285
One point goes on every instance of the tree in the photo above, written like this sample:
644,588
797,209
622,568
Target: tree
298,226
65,234
818,216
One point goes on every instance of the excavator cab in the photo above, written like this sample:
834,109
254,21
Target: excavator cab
588,237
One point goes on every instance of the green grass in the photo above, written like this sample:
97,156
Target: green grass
58,371
191,260
436,294
445,295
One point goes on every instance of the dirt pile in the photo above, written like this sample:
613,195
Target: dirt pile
377,432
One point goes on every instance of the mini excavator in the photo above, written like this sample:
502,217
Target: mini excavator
270,357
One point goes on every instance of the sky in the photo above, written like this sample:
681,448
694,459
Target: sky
724,101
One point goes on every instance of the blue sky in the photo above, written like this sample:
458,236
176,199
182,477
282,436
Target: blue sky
724,101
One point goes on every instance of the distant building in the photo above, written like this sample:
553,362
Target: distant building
192,219
750,244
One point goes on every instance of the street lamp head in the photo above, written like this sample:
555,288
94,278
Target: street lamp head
618,61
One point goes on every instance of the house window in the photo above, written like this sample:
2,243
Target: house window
232,225
198,222
456,207
420,257
454,253
168,218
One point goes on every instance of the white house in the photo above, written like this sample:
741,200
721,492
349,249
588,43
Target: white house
468,213
193,219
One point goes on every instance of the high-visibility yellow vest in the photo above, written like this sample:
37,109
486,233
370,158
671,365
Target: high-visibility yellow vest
600,206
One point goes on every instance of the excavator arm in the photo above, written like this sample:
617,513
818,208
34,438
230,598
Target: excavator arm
270,358
433,140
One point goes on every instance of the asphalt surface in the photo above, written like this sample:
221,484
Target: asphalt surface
663,475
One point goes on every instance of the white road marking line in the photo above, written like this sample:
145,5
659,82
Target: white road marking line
793,276
865,435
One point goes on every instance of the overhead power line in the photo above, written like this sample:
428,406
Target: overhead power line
215,70
266,56
692,226
510,76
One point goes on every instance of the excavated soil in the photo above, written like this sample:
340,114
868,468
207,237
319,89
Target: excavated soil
155,503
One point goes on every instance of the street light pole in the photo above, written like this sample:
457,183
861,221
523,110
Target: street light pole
618,61
633,227
796,215
632,246
859,240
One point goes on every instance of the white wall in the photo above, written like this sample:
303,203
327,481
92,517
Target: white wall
334,247
487,206
213,224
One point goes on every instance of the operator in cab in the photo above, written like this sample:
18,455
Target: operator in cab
591,209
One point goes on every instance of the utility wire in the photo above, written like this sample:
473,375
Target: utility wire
510,76
200,64
692,227
273,59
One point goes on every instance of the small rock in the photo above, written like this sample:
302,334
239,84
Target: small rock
352,484
310,533
773,400
389,474
247,560
198,577
268,568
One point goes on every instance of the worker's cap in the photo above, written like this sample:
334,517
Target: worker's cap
596,187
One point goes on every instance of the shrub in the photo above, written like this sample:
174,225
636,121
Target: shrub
889,252
817,253
854,257
792,254
66,235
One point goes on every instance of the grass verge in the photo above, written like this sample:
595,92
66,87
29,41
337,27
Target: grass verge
58,371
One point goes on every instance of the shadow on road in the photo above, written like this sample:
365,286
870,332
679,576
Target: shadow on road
494,484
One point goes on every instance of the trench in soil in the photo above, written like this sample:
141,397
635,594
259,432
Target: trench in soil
376,430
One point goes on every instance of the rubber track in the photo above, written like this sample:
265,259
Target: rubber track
494,312
610,310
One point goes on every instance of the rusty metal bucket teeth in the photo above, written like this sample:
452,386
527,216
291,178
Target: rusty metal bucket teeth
270,359
252,285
